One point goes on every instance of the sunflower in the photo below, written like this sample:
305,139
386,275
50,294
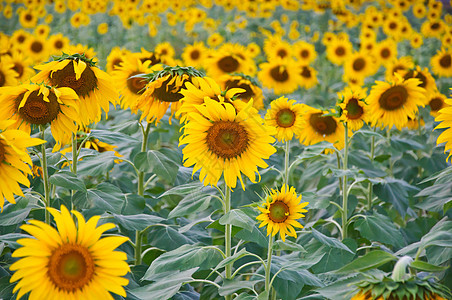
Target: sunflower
403,63
386,51
13,160
93,86
145,55
280,75
354,108
22,66
433,28
419,10
281,211
165,50
219,140
308,76
392,27
391,103
253,50
286,116
320,127
130,87
37,48
19,39
277,48
338,51
442,63
360,65
230,58
58,42
72,262
8,76
34,105
194,55
115,58
164,90
241,81
42,31
28,18
437,101
416,40
84,50
427,80
304,52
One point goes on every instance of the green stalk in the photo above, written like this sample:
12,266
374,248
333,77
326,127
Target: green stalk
268,266
138,233
369,188
227,234
344,187
45,175
74,153
286,163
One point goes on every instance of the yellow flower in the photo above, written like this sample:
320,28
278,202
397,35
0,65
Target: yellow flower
304,52
338,51
230,58
280,75
437,101
281,211
442,63
308,75
72,262
391,103
58,42
240,81
194,55
215,39
33,105
8,76
286,116
102,28
13,160
221,141
354,109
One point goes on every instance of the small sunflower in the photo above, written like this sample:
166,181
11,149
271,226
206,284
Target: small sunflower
164,90
281,211
115,58
230,58
433,28
93,86
8,76
165,50
308,77
33,105
194,55
442,63
386,51
58,43
403,63
277,48
427,80
19,39
391,103
72,262
28,18
416,40
22,65
279,75
359,65
128,84
321,126
221,141
286,116
338,51
437,101
37,48
304,52
354,108
13,160
241,81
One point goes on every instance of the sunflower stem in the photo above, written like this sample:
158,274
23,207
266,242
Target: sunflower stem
344,187
138,233
74,165
227,234
286,163
268,266
45,175
372,154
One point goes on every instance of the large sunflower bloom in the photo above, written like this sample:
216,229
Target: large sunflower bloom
391,104
437,101
442,63
280,75
321,128
286,116
72,262
164,90
13,160
93,86
34,105
354,108
281,211
219,140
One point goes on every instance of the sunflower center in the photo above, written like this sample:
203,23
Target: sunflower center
247,95
304,53
194,54
116,62
65,77
2,153
325,125
136,85
28,17
58,44
36,47
153,58
385,53
285,118
359,64
340,51
71,267
434,26
2,79
18,68
279,211
21,39
392,25
354,110
38,111
228,64
279,74
306,73
282,53
419,75
393,98
169,92
435,104
445,61
227,139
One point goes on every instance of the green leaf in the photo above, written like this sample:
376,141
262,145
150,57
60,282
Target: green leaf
425,266
395,191
231,286
97,165
14,217
104,197
184,189
245,296
184,258
288,245
191,203
371,260
330,241
238,218
165,286
137,222
403,144
232,259
162,166
379,228
141,162
67,180
369,133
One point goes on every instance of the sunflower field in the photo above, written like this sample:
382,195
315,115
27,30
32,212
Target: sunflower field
225,149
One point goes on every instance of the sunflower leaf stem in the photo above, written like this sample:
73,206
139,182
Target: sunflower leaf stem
286,163
344,182
203,281
227,234
268,265
244,266
74,153
372,154
45,175
339,159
